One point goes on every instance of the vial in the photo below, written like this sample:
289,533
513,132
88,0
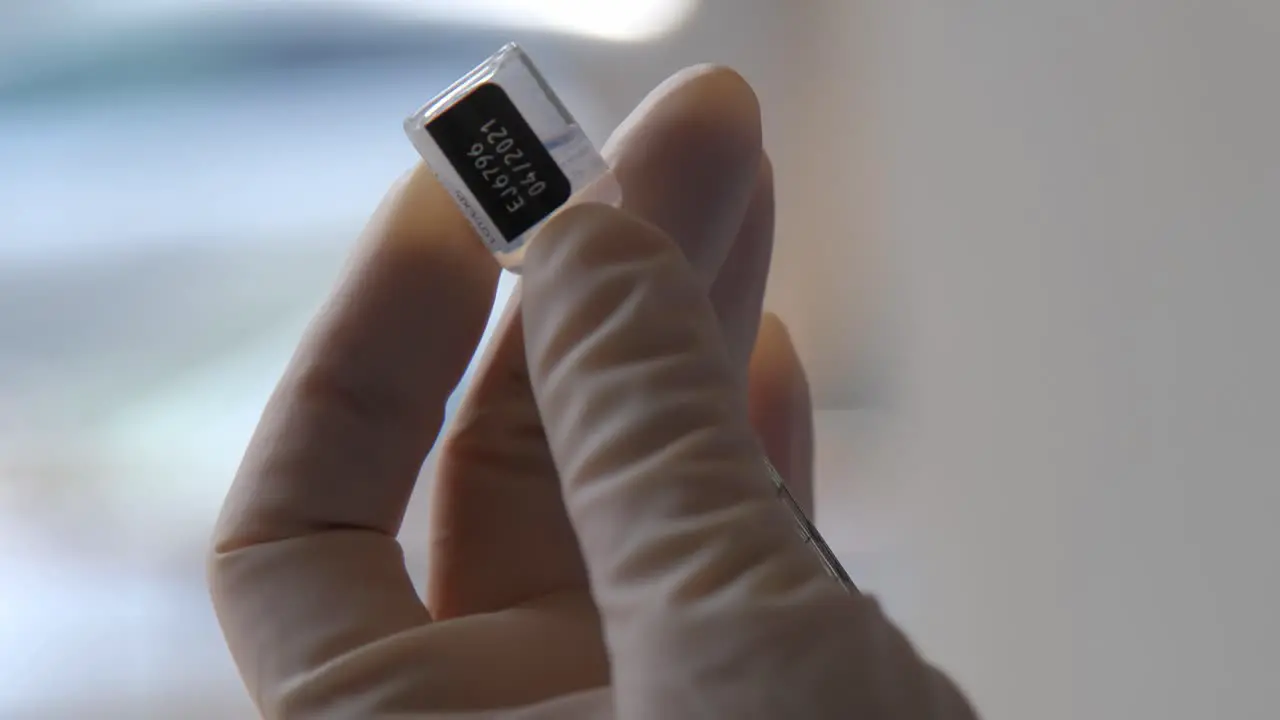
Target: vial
509,152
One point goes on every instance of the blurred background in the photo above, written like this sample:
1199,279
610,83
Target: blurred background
1027,251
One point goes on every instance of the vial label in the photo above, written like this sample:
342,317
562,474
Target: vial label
509,153
500,159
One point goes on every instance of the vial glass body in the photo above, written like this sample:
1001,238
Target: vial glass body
509,152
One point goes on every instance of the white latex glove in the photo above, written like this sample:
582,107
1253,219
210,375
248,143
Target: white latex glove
605,541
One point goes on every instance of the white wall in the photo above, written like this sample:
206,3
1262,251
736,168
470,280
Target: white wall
1076,482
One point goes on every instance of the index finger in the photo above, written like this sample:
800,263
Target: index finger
305,563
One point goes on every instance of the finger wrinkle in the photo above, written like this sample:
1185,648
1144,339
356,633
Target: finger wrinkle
586,284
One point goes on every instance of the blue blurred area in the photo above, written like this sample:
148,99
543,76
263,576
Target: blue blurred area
172,210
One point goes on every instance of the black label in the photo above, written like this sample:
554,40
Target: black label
501,160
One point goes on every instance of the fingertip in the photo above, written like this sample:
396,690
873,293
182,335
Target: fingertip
700,96
781,406
726,99
687,158
418,210
778,379
774,333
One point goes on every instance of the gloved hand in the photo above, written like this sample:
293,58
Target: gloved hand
605,541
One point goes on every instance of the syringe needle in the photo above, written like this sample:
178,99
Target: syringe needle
808,532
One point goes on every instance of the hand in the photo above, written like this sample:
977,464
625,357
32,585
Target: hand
605,543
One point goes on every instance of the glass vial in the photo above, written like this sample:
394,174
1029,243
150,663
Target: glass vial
509,152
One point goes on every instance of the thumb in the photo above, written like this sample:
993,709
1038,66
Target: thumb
647,422
711,603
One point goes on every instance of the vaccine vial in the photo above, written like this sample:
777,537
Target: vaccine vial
509,153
